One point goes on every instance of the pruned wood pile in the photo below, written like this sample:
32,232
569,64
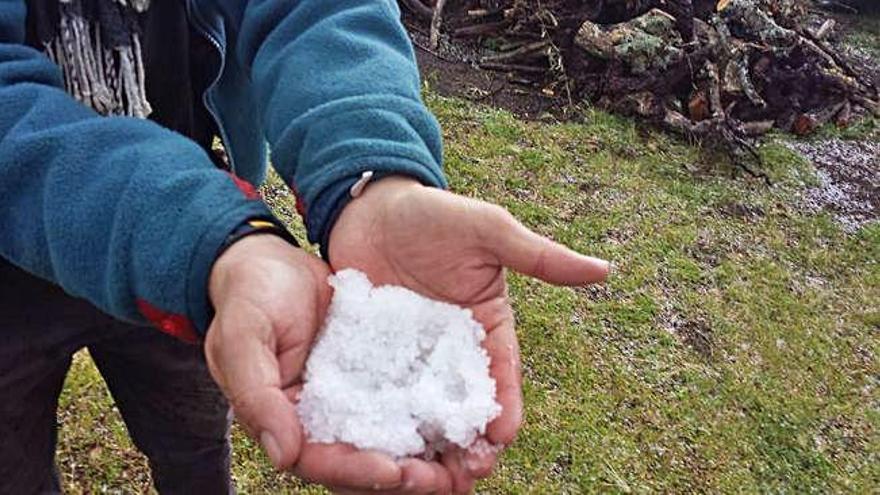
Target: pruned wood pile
725,70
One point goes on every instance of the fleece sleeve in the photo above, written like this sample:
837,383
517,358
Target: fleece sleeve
339,94
115,210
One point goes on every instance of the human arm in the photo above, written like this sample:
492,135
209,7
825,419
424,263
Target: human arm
132,216
456,249
339,93
399,232
116,210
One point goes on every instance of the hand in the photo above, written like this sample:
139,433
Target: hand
454,249
270,298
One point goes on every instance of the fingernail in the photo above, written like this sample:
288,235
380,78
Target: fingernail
273,450
480,456
472,465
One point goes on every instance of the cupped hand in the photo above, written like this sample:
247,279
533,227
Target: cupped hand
270,298
455,249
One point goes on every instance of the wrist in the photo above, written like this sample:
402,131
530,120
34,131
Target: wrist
381,191
256,225
360,220
242,254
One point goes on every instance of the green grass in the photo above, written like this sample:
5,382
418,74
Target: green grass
864,32
861,32
734,350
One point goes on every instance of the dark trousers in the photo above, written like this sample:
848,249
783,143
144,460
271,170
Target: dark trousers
173,410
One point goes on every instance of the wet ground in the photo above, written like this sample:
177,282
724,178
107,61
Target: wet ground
849,179
848,169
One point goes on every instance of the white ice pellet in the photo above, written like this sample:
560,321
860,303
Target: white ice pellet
396,372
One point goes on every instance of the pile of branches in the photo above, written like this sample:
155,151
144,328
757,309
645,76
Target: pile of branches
725,70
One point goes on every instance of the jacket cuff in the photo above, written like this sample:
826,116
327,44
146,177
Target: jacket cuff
198,305
322,213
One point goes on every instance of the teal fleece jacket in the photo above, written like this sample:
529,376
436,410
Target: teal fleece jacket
130,216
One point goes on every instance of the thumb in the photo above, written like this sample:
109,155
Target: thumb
519,248
271,418
245,366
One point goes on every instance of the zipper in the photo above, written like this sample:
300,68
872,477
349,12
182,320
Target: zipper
207,101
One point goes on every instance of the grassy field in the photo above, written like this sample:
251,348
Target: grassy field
734,350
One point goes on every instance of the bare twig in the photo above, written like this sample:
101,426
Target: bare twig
436,21
513,67
433,52
481,29
824,29
523,50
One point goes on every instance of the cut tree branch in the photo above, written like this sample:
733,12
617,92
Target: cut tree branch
436,21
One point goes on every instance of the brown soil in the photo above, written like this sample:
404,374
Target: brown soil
461,80
451,70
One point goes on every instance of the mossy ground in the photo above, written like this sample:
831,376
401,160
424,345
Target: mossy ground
735,349
864,32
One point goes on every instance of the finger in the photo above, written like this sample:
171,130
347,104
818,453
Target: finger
505,367
293,392
424,477
462,482
346,468
519,248
245,367
480,458
305,318
271,418
291,364
419,477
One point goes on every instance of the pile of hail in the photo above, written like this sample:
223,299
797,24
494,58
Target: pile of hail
396,372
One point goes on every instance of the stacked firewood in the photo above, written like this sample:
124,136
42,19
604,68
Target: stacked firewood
729,68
